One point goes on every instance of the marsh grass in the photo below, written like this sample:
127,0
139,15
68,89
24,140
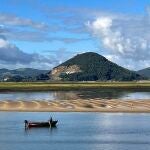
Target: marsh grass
46,86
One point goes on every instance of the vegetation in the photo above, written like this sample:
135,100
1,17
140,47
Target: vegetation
96,67
145,72
42,86
42,77
22,74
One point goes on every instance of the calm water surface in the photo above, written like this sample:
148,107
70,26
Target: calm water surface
81,94
76,131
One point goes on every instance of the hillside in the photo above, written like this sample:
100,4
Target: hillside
90,67
20,73
144,72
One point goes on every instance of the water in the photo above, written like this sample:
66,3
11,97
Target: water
81,94
82,131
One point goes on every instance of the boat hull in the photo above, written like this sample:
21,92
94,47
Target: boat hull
40,124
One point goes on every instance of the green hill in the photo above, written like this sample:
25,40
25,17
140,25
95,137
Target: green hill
21,73
145,72
90,67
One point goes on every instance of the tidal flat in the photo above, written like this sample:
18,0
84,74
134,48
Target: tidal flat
83,100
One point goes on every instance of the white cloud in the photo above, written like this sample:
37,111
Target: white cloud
125,37
12,57
9,19
104,23
3,43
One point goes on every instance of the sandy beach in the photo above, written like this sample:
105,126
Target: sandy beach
79,105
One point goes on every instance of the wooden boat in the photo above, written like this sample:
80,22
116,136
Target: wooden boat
49,123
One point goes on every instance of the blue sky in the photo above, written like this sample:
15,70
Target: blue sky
44,33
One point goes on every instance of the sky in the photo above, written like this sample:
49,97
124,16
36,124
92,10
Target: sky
44,33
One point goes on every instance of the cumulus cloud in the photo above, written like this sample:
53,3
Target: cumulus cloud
125,37
128,63
12,56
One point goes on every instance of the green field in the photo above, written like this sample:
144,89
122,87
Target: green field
46,86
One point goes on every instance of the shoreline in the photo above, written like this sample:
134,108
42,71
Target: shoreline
80,105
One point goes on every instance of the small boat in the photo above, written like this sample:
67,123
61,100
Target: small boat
49,124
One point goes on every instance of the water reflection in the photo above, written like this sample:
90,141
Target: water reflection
81,94
32,131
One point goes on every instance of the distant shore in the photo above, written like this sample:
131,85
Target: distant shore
56,86
80,105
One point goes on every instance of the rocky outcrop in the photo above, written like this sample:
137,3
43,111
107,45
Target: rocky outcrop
56,73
